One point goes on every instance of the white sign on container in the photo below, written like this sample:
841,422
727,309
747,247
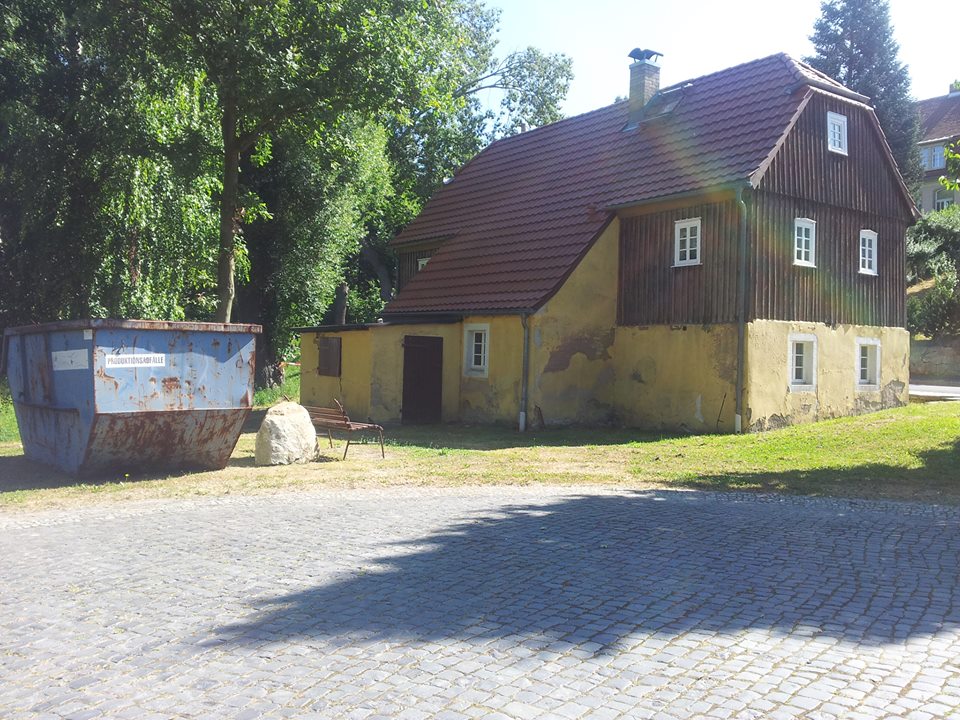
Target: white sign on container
70,359
136,361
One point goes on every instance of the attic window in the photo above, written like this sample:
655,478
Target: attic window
837,133
422,263
663,103
932,157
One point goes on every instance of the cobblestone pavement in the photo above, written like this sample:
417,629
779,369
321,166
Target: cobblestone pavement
482,603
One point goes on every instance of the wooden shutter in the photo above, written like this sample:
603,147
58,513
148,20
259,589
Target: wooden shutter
329,352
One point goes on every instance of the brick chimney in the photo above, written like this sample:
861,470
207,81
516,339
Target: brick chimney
644,82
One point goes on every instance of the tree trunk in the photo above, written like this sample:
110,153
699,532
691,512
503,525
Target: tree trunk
226,263
340,304
375,261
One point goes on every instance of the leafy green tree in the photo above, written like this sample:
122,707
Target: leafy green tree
933,251
274,63
853,43
102,209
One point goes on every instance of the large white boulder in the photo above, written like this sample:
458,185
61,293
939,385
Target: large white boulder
286,436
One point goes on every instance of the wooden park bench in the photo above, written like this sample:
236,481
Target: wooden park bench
335,418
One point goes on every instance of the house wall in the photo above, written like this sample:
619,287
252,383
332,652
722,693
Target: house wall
386,376
835,291
928,191
769,401
352,388
587,369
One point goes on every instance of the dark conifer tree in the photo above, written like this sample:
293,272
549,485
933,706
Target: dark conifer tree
853,43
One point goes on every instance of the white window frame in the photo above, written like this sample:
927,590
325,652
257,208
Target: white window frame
470,367
872,380
942,198
840,121
811,225
868,252
422,263
678,227
809,381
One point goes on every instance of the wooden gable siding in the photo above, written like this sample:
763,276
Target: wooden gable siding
407,264
835,291
653,292
862,179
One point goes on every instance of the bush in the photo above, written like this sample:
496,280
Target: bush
935,312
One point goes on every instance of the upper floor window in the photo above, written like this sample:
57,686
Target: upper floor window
804,242
476,350
932,157
868,252
942,199
686,242
837,133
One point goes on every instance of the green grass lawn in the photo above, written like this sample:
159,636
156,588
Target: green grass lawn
909,453
8,421
289,389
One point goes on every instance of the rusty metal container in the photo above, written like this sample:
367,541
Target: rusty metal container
130,395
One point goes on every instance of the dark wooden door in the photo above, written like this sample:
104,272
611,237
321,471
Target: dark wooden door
422,379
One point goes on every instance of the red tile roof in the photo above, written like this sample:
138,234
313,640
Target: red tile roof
521,214
939,117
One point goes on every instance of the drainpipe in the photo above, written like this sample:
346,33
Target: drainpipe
741,310
522,420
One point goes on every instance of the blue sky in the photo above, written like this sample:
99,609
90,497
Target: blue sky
698,37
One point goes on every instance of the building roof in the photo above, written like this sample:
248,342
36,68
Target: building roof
517,218
939,117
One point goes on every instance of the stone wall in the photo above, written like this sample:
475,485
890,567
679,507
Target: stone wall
938,358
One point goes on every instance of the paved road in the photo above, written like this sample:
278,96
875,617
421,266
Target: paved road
482,603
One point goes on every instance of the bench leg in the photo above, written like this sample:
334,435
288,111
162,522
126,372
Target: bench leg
330,437
382,454
346,448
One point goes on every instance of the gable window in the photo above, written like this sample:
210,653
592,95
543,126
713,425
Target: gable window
868,252
803,362
804,242
329,351
837,133
942,199
868,364
422,263
476,350
686,242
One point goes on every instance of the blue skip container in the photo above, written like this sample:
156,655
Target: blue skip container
130,395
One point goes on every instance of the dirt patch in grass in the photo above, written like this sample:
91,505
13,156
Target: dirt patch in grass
910,453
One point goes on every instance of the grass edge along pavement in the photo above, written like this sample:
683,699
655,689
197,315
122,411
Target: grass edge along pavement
908,453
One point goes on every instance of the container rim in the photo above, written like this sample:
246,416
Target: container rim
108,324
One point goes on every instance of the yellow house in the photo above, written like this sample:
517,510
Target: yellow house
726,254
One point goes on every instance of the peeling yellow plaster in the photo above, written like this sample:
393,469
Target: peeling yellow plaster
770,402
352,388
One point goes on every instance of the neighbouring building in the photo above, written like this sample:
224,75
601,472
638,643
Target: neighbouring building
724,254
939,127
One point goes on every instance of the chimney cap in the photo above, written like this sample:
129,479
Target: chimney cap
648,55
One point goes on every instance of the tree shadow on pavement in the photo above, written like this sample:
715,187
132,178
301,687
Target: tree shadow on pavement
597,570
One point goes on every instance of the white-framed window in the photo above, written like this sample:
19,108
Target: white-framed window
868,252
804,242
476,349
837,133
868,364
422,263
932,157
802,362
686,242
942,199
